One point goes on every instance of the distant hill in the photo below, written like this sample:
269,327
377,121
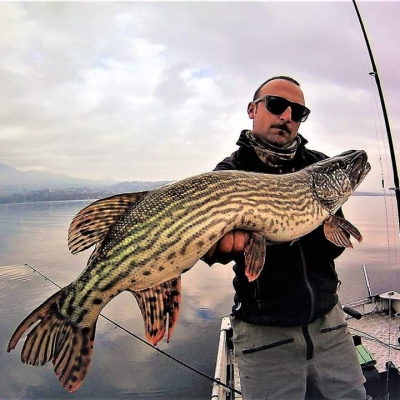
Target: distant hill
14,181
28,186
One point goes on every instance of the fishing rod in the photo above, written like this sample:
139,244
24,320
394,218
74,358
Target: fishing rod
183,364
375,74
396,187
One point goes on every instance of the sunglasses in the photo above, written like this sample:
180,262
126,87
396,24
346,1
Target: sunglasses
277,105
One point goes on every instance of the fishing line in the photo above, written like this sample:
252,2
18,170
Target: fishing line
381,140
375,339
376,117
181,363
375,75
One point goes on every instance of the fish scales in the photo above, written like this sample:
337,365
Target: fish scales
147,240
215,205
210,196
212,200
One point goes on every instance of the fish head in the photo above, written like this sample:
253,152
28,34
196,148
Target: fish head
336,178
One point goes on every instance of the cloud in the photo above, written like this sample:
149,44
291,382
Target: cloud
115,90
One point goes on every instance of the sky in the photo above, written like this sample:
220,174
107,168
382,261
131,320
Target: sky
159,90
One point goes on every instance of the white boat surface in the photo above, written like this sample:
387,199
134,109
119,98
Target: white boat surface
375,327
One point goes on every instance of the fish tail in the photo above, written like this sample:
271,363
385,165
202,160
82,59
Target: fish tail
58,339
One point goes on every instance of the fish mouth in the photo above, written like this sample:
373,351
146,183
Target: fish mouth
359,165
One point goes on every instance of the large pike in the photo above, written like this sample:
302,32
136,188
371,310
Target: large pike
145,241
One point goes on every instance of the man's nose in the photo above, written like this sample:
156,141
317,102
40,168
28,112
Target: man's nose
286,115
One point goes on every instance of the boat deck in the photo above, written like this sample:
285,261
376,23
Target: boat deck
377,331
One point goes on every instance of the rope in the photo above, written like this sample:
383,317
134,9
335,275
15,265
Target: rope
181,363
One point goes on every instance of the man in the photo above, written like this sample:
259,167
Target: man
289,328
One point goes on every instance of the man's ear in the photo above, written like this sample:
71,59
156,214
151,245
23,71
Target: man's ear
251,109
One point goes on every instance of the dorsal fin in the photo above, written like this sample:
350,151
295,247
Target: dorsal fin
91,224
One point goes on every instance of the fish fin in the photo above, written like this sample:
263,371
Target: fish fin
91,224
335,229
55,338
254,255
159,306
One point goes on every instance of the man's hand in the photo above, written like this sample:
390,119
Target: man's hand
232,242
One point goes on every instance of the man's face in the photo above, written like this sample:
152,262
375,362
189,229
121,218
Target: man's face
279,130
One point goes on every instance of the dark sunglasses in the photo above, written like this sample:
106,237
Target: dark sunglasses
277,105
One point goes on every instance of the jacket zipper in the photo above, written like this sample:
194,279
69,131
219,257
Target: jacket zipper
307,282
306,334
257,290
257,293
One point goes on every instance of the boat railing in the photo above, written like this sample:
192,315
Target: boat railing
219,391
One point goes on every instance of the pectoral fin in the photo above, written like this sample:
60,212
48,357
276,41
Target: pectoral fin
254,255
335,229
160,308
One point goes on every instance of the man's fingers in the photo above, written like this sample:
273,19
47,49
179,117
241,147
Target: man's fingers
239,241
231,242
225,244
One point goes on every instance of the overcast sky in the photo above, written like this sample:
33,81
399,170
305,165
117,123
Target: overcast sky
159,90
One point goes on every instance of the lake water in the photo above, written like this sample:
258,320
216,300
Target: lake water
122,366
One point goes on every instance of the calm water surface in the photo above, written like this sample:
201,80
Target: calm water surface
122,366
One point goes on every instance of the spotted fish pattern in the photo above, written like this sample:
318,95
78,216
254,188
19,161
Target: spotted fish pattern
145,241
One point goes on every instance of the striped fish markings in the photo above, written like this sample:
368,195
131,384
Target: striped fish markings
145,241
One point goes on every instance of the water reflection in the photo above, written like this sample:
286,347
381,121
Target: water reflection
122,366
376,219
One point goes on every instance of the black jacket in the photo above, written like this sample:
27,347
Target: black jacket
298,283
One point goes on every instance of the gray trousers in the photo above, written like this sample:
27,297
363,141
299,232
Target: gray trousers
278,362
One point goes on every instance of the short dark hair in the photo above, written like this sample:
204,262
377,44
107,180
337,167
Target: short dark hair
286,78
